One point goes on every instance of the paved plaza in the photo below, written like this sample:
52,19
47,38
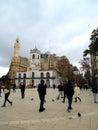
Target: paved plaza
24,114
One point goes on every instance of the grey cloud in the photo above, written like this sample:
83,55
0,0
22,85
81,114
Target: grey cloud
46,24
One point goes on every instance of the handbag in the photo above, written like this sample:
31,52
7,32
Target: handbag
6,91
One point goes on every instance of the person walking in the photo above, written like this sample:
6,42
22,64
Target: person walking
64,87
6,90
0,90
14,87
60,91
42,92
77,93
22,88
95,91
69,93
53,93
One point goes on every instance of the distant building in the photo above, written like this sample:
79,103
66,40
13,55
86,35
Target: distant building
94,62
38,66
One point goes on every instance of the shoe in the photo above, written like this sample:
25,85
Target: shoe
11,103
3,106
68,110
41,110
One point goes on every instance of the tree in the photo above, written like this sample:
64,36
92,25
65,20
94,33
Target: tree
93,47
75,68
85,68
93,51
85,64
4,78
64,68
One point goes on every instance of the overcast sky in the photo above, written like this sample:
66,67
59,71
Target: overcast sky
62,27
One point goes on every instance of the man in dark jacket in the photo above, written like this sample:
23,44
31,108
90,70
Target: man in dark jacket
42,92
69,93
95,91
22,88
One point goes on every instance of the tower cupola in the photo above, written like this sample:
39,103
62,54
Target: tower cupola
35,58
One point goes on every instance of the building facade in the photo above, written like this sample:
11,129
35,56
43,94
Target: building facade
34,73
38,66
94,62
96,70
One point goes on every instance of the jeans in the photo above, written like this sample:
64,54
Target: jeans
95,96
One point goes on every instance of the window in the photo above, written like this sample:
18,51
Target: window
19,75
33,56
48,75
38,56
24,75
42,75
33,74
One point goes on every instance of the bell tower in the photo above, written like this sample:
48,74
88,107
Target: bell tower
35,59
17,48
14,67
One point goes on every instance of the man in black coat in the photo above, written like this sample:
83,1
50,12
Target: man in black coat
42,92
22,88
69,93
95,91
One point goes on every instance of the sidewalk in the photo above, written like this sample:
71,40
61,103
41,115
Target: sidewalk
24,114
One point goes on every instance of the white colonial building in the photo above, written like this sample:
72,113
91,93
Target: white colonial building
34,72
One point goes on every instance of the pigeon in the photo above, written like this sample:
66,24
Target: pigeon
70,118
52,100
79,114
31,99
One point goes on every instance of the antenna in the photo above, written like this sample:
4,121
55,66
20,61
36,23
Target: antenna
50,46
35,45
50,52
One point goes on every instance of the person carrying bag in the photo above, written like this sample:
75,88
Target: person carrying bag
6,90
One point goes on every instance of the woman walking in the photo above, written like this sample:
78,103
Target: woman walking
77,93
6,90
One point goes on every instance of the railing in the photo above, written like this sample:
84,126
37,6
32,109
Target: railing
37,78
